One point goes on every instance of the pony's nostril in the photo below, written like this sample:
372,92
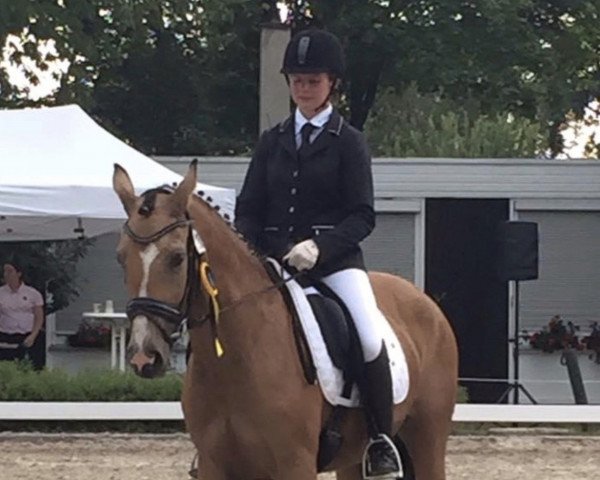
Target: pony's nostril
151,369
139,360
148,371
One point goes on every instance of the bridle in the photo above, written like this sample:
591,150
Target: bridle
173,314
198,272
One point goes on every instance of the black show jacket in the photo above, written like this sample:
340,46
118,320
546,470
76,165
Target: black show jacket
326,195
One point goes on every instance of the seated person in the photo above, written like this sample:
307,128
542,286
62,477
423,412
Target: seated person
21,314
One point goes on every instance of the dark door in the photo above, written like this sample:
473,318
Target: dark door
460,263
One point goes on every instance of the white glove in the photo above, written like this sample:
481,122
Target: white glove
303,255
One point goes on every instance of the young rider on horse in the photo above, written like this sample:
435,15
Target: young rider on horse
307,200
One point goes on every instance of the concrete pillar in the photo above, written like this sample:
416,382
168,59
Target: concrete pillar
274,103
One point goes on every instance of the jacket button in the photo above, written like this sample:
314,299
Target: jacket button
293,191
291,229
295,173
291,209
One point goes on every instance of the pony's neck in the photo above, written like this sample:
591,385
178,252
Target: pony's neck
253,315
237,271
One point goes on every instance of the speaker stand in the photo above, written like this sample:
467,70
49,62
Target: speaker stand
515,386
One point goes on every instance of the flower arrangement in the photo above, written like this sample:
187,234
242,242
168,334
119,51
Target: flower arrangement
91,335
556,336
592,342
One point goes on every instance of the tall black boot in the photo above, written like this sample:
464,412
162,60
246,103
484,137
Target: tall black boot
381,458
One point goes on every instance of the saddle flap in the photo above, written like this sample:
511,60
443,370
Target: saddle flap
332,378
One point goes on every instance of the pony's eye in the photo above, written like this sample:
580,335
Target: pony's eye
175,260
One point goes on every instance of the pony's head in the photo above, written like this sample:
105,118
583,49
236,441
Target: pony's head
158,257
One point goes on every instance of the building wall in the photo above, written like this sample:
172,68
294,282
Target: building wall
391,246
416,178
568,285
569,269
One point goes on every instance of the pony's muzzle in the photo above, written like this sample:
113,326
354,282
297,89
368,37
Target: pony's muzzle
148,352
147,366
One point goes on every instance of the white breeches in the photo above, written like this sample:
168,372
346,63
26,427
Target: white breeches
354,288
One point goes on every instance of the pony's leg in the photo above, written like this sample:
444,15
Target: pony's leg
298,470
207,472
299,474
426,436
349,473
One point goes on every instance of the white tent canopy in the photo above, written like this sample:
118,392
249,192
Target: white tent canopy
56,167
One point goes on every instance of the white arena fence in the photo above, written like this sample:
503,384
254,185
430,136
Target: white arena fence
500,413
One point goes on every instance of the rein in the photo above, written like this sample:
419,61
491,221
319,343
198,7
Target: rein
276,285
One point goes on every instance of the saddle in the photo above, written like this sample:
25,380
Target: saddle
328,343
340,338
330,352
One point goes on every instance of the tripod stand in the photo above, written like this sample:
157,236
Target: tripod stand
515,386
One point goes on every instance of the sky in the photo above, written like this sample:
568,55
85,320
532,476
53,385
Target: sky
578,133
16,74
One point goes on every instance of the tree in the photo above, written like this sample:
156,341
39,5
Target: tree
164,75
536,59
181,76
417,125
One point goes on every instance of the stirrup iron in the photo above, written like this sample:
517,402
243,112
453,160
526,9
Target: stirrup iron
193,471
367,473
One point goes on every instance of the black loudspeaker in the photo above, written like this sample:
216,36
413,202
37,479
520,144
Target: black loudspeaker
518,251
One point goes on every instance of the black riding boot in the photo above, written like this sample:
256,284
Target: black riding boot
382,458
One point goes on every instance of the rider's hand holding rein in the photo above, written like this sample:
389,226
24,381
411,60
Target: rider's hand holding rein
303,256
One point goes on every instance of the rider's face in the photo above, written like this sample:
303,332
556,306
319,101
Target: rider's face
310,91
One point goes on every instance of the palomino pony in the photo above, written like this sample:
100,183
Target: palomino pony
250,412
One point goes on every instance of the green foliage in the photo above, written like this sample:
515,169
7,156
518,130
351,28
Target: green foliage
175,77
181,77
536,60
49,267
462,395
19,382
415,125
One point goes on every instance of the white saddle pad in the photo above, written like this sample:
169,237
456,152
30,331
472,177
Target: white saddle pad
331,378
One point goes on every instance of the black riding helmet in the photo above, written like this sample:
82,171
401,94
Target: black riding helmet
314,51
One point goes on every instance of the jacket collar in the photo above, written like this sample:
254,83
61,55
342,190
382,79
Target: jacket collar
319,120
287,134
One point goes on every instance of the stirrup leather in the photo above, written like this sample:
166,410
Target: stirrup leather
367,471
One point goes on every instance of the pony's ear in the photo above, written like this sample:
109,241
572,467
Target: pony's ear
124,188
182,193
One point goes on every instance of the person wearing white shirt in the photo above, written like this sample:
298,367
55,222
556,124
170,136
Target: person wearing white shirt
21,314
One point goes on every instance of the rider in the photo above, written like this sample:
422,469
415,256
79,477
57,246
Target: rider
307,200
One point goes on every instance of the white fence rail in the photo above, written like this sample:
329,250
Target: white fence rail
172,411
